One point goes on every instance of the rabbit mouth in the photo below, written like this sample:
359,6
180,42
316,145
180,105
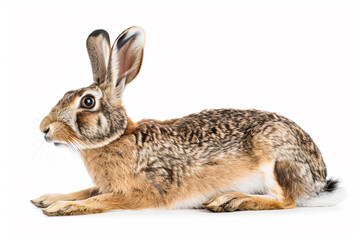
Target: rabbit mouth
55,142
60,144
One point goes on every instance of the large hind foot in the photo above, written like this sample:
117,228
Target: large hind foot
233,201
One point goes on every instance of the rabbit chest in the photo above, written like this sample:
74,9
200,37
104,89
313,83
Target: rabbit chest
111,167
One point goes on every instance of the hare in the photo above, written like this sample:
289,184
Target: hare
221,160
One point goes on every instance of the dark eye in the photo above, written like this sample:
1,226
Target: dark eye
88,102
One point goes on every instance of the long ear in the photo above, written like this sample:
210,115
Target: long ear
98,47
126,58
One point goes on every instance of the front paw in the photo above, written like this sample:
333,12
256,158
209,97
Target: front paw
67,208
47,199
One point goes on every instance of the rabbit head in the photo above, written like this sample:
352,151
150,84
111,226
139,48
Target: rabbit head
93,116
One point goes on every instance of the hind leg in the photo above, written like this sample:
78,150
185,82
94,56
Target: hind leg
234,201
273,197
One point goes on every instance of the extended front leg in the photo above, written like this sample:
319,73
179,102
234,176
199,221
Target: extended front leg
97,204
48,199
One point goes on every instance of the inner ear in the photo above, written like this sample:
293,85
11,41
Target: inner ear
126,58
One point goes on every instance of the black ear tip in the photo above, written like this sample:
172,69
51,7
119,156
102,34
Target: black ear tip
98,32
125,38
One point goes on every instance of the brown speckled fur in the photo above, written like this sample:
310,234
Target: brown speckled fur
201,158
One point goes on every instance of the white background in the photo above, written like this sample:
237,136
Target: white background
297,58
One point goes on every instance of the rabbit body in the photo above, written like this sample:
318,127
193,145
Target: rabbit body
223,160
185,162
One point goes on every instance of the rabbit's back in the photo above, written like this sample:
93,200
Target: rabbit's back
225,140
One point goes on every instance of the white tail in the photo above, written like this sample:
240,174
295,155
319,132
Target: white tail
331,196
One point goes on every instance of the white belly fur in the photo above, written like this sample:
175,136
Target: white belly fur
262,181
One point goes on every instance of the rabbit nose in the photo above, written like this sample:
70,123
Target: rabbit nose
46,130
44,125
